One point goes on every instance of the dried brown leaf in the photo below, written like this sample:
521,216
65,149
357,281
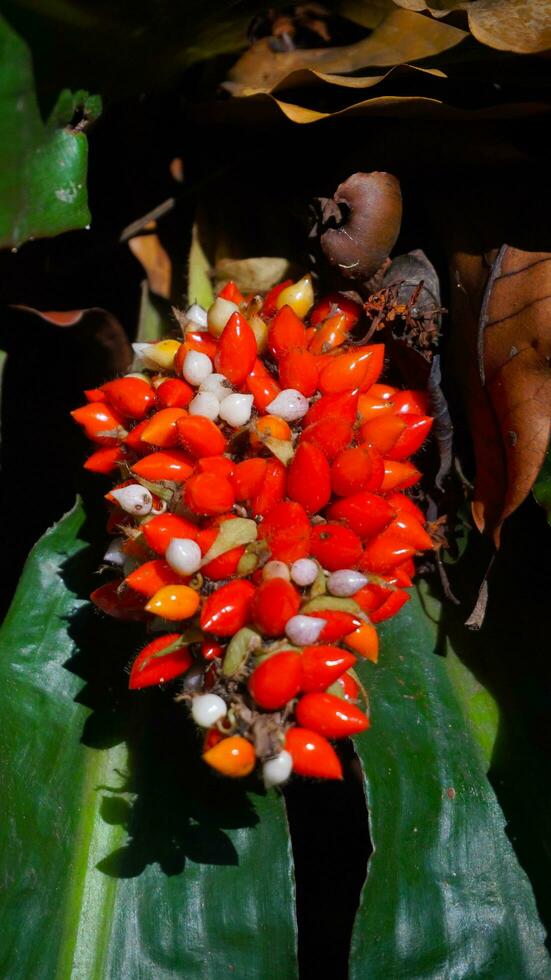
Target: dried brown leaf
523,26
155,261
402,37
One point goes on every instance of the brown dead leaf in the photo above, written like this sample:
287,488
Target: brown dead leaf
515,346
403,36
523,26
254,275
155,261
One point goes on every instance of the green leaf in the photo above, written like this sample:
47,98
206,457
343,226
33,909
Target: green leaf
121,853
445,895
43,167
542,487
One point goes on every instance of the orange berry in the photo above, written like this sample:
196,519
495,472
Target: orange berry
174,602
269,427
233,756
365,641
161,429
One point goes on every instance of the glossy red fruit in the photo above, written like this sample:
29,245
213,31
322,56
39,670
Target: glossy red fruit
365,513
232,293
350,688
340,406
161,428
124,604
358,369
410,402
134,440
272,490
298,369
383,431
312,754
322,665
357,468
104,460
335,546
309,478
174,393
274,603
399,476
286,530
220,465
208,494
226,564
200,436
148,578
412,438
199,340
211,650
237,351
403,504
332,333
170,464
159,531
100,422
371,596
160,661
261,385
337,625
269,306
276,680
331,435
335,303
248,478
286,332
330,716
381,555
392,605
93,394
131,397
410,531
370,407
227,610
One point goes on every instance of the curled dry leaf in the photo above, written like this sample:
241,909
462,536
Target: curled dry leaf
523,26
155,261
402,36
365,230
502,358
515,348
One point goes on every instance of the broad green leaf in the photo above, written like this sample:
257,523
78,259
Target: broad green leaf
121,854
445,895
43,167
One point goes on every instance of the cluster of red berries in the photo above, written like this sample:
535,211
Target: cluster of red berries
260,522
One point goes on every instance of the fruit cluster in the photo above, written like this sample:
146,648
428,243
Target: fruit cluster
260,522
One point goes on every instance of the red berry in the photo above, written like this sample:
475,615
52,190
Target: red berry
337,625
384,553
261,385
399,476
410,402
335,546
274,603
152,666
227,610
269,307
200,436
312,754
232,293
237,352
322,665
220,465
148,578
309,478
366,513
354,469
272,490
286,332
359,368
123,604
392,604
286,530
248,478
277,680
100,423
209,494
171,464
298,369
104,460
132,397
330,716
174,393
159,531
412,437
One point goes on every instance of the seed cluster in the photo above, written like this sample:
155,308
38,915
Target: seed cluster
260,525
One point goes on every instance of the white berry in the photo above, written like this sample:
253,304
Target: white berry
219,314
114,554
218,385
304,630
304,571
134,499
290,405
205,404
207,709
197,367
236,410
276,771
275,569
346,581
196,317
184,556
